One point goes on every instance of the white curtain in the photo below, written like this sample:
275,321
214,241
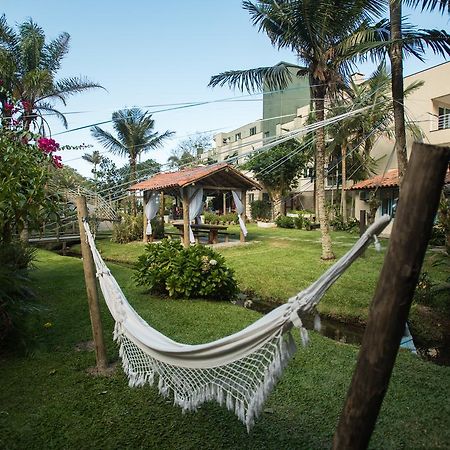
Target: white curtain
151,209
237,195
195,195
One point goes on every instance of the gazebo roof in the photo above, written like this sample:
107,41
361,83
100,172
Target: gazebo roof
217,176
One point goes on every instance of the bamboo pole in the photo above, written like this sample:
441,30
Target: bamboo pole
186,241
91,290
390,306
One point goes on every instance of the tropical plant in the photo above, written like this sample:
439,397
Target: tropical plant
193,272
326,36
28,67
261,210
94,158
135,136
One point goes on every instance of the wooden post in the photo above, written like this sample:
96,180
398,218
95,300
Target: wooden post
91,290
244,204
362,226
145,197
224,199
419,199
186,241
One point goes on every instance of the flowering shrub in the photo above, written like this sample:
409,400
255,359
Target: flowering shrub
193,272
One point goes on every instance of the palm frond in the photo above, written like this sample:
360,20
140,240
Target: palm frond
254,80
55,51
8,38
48,108
430,5
32,41
109,141
70,86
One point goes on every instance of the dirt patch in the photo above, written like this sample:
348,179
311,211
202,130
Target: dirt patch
85,346
108,372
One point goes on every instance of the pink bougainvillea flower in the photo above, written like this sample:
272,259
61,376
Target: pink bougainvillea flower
8,106
56,160
47,145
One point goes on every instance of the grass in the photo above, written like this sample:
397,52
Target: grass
49,401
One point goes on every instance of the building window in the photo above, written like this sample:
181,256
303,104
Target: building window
251,198
266,134
389,202
237,136
444,118
252,131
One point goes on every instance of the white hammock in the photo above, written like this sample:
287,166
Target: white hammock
238,370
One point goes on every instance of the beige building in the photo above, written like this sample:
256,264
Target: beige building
428,108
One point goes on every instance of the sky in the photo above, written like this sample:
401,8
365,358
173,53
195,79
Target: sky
150,54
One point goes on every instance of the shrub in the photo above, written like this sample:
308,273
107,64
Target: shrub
193,272
131,228
211,217
16,296
423,293
338,224
261,210
284,222
298,222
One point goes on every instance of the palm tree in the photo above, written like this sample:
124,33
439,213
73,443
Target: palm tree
135,135
95,159
28,67
438,41
363,130
326,36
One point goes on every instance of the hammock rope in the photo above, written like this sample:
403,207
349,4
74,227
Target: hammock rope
239,370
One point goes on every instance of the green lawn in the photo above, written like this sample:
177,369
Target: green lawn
48,400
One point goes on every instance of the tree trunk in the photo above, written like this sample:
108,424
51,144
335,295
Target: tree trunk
327,252
277,200
133,180
344,182
396,57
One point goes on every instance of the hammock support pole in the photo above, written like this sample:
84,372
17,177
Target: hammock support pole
419,199
186,241
91,290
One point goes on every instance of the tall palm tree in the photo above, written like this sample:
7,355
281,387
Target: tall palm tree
438,41
325,35
135,135
362,131
94,158
28,67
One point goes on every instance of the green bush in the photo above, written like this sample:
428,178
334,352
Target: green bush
131,228
261,210
298,222
193,272
338,224
16,296
284,222
423,293
210,217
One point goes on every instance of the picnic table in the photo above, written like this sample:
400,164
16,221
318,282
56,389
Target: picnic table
211,229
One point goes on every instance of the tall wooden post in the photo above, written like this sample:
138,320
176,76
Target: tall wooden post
145,198
243,215
91,290
419,199
186,241
224,200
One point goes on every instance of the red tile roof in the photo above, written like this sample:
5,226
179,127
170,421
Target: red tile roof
185,177
389,179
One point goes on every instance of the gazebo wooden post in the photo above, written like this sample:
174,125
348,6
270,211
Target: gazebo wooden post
161,206
186,241
418,203
224,199
144,202
244,204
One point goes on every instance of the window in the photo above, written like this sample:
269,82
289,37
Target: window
265,197
389,202
252,131
444,118
237,136
251,198
266,134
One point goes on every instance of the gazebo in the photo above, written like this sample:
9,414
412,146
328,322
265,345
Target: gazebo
191,185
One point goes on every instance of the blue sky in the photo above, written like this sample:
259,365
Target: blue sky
156,53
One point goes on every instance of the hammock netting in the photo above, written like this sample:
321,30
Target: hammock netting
237,371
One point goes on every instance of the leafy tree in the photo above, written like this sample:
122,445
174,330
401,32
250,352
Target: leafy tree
278,170
135,136
326,36
190,151
28,67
